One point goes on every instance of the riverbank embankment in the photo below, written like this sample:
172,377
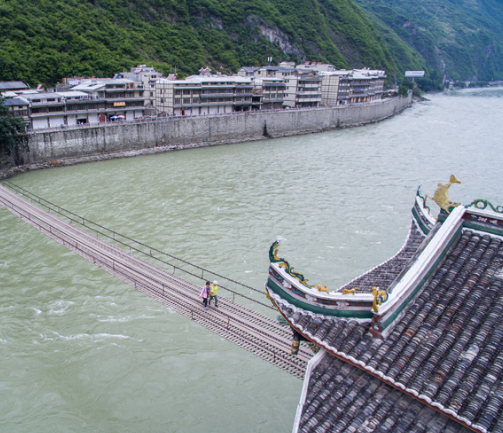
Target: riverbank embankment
95,143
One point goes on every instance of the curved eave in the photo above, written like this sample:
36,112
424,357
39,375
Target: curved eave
357,307
422,216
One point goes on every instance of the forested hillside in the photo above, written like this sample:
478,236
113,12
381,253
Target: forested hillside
42,41
461,39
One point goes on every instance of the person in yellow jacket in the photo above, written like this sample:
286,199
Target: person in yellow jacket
213,293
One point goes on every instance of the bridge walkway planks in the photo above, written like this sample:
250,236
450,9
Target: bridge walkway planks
246,328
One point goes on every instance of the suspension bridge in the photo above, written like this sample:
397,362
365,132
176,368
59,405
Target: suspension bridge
122,257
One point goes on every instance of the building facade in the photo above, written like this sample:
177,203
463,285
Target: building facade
203,95
111,99
268,93
147,76
20,107
302,87
361,85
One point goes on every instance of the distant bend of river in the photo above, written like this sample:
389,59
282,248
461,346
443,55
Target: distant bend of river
81,351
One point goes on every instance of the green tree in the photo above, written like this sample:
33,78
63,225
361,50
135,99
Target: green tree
13,137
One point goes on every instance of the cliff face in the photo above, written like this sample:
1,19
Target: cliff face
43,41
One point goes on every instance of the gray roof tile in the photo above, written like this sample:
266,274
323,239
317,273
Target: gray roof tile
447,349
355,401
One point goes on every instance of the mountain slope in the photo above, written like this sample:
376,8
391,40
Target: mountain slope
43,41
463,39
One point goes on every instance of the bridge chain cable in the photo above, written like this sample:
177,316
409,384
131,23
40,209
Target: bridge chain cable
248,329
77,219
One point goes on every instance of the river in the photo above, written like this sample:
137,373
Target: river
81,351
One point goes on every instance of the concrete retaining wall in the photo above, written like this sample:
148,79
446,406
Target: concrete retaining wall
105,139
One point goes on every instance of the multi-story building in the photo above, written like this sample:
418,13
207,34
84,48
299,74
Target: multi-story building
47,110
203,94
91,102
268,93
247,71
19,106
315,84
302,87
55,109
330,80
147,76
307,90
361,85
114,98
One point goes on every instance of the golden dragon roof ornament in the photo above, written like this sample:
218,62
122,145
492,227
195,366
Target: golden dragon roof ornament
441,196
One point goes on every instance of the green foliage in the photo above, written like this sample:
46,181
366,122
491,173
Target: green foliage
403,90
13,138
456,40
42,41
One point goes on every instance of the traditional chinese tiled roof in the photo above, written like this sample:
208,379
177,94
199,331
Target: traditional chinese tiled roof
343,398
445,349
384,274
12,85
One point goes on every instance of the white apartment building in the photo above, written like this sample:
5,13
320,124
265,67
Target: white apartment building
361,85
110,98
202,95
302,87
47,110
147,76
268,93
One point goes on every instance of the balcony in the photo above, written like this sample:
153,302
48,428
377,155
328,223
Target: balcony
47,114
311,99
217,95
219,86
181,87
271,99
117,98
213,104
45,102
309,92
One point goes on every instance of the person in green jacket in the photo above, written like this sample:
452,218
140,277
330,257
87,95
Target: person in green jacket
213,293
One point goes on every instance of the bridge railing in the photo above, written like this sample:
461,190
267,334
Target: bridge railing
182,266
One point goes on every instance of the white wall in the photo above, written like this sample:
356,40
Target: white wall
40,123
54,122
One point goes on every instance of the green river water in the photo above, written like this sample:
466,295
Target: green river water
80,351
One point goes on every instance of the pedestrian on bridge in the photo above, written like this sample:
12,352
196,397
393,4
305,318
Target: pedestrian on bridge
205,294
213,293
